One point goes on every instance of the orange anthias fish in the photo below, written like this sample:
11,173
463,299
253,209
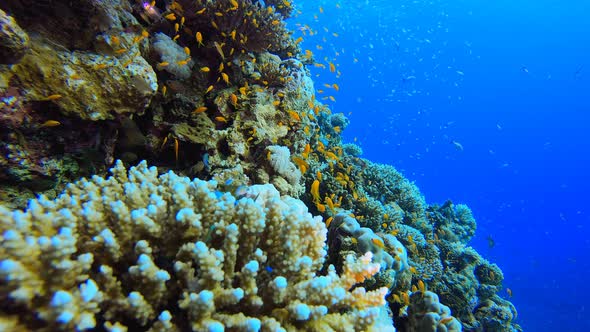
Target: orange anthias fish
301,163
50,123
421,286
321,207
234,99
306,151
378,242
199,38
315,190
225,78
446,320
176,149
53,97
332,67
329,221
200,109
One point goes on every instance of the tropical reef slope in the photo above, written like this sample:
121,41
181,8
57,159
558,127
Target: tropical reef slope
217,91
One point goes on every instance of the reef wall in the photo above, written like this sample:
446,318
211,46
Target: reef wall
218,96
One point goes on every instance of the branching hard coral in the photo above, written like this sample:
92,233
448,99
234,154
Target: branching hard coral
389,185
353,150
377,194
141,251
273,73
452,222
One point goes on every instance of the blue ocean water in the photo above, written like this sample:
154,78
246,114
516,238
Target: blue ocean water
485,103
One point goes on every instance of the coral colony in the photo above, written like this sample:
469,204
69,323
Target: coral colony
232,202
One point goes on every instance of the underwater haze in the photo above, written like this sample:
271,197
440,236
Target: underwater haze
487,103
294,165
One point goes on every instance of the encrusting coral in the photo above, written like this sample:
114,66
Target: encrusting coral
164,253
14,42
70,73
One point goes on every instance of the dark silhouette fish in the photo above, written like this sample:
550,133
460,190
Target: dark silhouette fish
491,242
578,71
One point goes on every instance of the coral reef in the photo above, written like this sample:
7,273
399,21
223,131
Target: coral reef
138,250
76,73
14,41
212,90
229,86
280,160
454,223
245,26
71,79
96,69
352,149
347,237
360,195
427,314
494,313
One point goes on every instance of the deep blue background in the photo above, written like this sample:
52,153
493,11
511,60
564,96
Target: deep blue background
507,80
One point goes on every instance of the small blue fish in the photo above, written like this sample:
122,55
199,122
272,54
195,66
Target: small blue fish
241,191
229,181
206,160
268,269
457,145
